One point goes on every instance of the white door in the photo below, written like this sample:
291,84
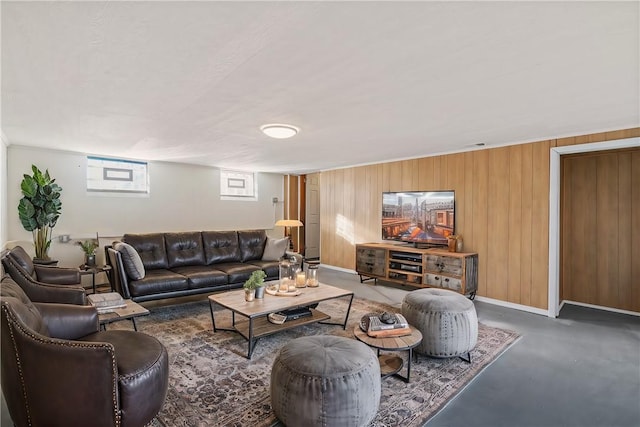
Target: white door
312,217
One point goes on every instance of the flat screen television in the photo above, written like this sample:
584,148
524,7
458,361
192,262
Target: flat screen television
421,218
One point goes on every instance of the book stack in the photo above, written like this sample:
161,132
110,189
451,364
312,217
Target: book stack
106,302
379,329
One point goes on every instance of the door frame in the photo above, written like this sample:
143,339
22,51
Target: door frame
554,303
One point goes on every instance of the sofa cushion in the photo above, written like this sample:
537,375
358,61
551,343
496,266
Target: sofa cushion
271,268
237,271
252,244
275,249
184,249
151,249
143,373
221,246
202,276
158,281
131,260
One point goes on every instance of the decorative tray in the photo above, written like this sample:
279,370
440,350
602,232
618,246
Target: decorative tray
284,294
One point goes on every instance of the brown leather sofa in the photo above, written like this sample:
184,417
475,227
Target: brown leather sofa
188,263
43,284
58,369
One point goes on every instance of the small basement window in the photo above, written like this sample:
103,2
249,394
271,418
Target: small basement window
237,185
117,176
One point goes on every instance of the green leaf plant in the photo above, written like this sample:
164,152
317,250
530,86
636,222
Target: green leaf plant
40,208
255,280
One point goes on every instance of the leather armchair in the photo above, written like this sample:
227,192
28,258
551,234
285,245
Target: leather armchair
58,369
43,284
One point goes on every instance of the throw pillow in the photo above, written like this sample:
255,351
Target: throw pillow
131,260
275,249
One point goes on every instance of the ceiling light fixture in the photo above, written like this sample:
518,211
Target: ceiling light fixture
279,131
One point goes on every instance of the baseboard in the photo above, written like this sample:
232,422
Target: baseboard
514,306
333,267
506,304
600,307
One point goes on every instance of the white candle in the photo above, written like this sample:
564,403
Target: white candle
300,279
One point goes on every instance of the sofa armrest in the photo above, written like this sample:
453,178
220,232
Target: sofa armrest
119,275
68,321
57,275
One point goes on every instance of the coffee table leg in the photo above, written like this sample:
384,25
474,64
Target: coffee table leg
213,319
346,317
135,327
251,342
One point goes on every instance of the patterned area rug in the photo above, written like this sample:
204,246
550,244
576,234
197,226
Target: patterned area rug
211,383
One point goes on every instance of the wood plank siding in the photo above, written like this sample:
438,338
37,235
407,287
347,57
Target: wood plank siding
502,212
600,236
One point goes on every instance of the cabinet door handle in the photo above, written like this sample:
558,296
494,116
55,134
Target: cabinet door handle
446,280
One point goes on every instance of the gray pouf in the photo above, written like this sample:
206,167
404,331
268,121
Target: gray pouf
325,381
447,320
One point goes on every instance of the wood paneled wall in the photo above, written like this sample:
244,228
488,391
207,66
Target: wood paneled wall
294,208
502,210
601,228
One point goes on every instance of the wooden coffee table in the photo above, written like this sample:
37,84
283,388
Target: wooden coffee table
129,312
257,325
391,364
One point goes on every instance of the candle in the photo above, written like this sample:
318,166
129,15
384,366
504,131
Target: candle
284,285
300,279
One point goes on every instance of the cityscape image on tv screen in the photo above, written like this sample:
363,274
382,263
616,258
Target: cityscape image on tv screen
425,217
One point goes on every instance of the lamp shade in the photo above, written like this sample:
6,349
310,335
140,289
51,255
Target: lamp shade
289,223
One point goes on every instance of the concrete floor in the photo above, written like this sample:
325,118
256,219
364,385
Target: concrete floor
581,369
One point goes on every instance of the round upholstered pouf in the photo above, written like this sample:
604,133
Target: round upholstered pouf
447,320
325,381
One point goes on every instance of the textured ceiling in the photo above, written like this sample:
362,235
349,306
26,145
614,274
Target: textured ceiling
366,82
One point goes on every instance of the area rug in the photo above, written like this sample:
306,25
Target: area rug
211,383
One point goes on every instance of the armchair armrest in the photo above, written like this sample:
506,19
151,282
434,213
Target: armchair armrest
69,321
60,376
57,275
44,292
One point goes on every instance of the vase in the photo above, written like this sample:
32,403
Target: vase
249,294
260,292
90,260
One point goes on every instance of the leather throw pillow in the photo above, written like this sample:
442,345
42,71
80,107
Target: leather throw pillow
275,249
133,265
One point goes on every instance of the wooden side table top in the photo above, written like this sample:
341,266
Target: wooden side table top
405,342
93,269
131,311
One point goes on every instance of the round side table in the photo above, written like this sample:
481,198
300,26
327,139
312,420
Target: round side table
391,364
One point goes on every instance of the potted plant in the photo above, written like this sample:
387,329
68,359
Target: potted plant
89,249
254,285
40,208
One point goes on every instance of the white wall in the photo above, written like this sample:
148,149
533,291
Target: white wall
182,198
3,190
